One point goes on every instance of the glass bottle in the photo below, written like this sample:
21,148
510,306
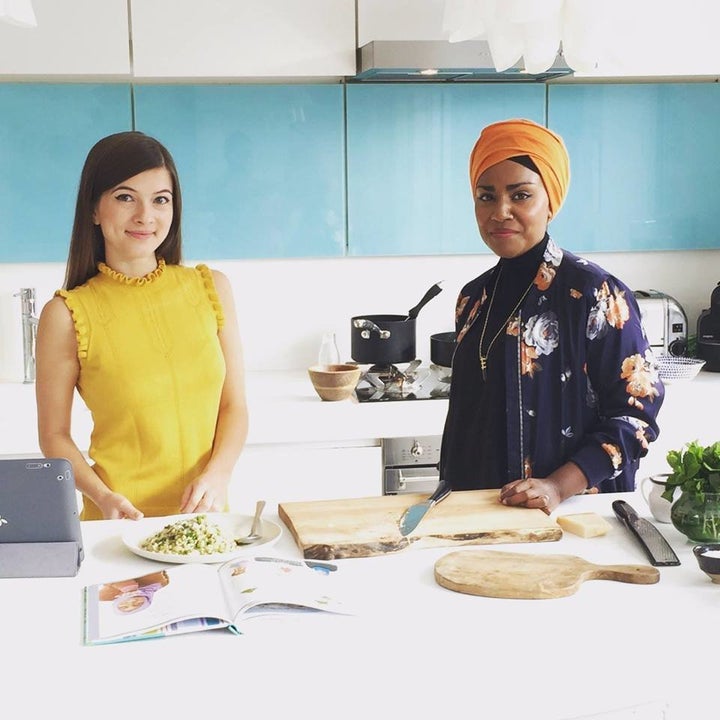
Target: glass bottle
329,353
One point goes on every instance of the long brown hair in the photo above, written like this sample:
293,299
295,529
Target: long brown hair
110,161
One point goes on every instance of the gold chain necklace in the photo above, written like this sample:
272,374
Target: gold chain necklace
484,358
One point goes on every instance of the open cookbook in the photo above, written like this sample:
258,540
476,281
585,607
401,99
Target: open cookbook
193,597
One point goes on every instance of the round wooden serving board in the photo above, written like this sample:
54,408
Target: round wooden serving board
494,573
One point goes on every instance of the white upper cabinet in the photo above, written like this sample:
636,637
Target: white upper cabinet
400,20
226,39
639,38
276,39
72,38
648,38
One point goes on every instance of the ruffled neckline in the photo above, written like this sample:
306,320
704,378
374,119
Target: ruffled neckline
125,280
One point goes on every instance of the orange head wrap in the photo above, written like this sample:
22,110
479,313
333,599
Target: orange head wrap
510,138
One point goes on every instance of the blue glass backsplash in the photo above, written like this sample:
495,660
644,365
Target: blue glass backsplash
408,149
332,170
262,166
46,131
645,162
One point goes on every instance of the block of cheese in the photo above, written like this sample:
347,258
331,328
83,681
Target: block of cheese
585,525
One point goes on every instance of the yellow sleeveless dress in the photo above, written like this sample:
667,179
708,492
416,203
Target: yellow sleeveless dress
151,374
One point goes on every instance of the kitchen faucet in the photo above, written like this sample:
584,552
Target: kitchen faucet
29,331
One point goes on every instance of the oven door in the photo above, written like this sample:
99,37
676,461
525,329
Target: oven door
415,479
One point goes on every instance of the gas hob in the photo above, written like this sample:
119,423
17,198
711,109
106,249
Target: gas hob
412,381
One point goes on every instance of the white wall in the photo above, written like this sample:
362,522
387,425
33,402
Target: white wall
284,306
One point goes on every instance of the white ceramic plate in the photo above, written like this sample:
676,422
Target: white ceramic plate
234,524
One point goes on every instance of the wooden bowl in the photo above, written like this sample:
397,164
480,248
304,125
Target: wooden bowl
334,382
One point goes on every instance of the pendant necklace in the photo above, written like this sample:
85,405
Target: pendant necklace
484,357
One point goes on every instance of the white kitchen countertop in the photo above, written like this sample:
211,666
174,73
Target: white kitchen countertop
284,409
413,649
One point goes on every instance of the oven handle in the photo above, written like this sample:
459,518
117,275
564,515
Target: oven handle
411,479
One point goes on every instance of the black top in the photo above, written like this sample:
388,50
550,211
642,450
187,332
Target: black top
474,453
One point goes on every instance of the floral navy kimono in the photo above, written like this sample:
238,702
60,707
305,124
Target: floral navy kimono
569,375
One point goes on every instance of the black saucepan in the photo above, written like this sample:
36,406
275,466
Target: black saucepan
442,348
383,339
386,339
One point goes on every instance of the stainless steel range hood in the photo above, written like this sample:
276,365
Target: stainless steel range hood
438,60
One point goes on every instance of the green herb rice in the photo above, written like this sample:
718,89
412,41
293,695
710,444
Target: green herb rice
194,536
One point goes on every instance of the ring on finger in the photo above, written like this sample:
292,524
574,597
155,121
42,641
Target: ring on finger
545,499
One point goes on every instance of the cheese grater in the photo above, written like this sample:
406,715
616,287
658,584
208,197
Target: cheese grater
656,547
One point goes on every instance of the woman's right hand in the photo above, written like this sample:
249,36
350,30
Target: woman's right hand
115,506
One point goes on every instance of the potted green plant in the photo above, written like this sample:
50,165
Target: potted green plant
696,471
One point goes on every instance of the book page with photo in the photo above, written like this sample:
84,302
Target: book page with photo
194,597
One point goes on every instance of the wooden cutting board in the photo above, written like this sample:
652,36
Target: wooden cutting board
500,574
361,527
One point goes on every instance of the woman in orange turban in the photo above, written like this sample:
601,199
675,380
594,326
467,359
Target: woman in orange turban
554,386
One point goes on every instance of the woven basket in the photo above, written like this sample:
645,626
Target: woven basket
672,368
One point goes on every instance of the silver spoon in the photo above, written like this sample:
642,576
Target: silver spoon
255,533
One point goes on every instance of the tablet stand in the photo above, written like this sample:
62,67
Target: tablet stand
39,559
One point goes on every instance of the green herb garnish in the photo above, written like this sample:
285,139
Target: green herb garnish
695,469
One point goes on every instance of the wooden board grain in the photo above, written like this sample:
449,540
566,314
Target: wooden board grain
499,574
363,527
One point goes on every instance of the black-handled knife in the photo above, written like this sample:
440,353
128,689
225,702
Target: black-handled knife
651,540
415,513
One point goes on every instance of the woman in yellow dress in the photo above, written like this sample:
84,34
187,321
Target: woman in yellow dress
151,346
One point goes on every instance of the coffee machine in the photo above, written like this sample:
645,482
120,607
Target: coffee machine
708,333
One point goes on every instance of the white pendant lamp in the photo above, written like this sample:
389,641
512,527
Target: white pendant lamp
504,36
18,12
583,32
463,20
541,41
531,30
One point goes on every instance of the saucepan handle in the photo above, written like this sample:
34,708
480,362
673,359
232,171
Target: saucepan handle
367,326
429,295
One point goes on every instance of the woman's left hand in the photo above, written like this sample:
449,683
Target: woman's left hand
207,493
531,493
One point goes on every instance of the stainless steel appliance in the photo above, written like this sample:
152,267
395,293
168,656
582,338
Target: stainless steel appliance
411,381
410,464
439,60
665,321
